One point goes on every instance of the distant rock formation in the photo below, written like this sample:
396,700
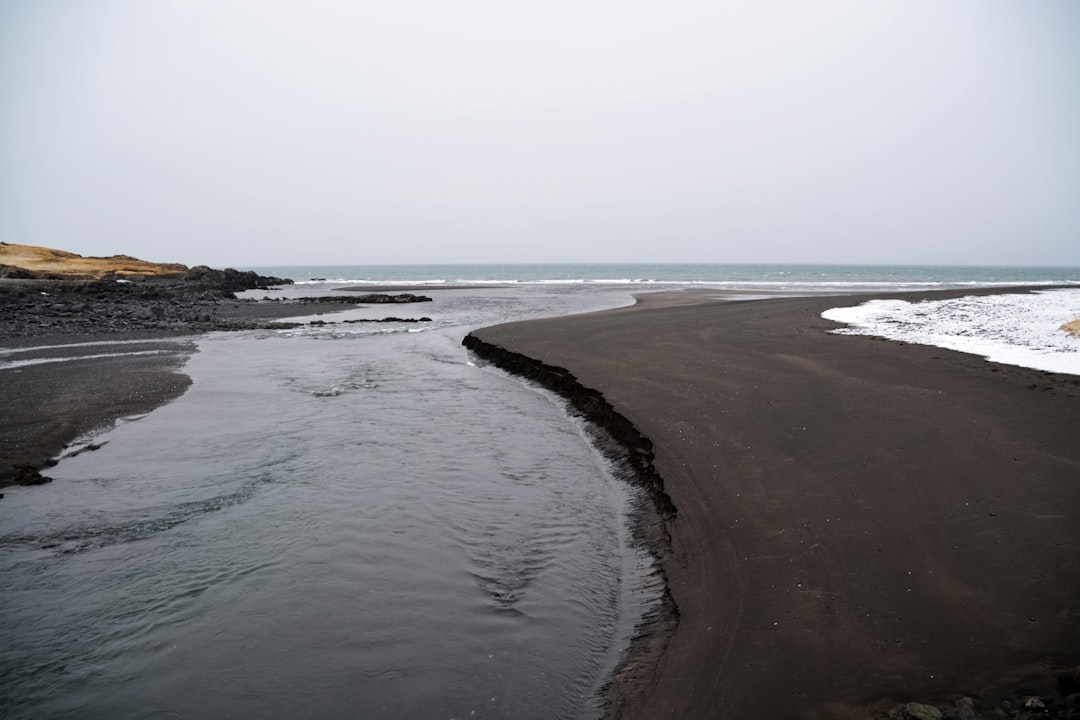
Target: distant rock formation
53,291
50,264
31,262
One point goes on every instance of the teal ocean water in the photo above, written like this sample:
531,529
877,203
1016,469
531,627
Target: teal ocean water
734,276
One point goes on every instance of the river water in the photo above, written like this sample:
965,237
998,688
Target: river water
353,520
343,521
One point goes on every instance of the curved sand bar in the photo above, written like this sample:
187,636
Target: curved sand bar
859,522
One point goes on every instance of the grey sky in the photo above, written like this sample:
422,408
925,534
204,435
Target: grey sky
255,132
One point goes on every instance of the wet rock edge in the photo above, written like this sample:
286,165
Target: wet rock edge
631,451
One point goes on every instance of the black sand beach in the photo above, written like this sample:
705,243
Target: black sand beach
859,523
47,406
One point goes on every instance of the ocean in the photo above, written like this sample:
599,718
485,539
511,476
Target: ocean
736,276
356,520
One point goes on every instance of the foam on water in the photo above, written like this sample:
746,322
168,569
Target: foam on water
10,364
667,274
1013,329
19,357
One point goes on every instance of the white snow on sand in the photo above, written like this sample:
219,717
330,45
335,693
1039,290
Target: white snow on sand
1014,329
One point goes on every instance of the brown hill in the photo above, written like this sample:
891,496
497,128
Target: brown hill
46,262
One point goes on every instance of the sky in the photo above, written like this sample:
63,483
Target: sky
263,132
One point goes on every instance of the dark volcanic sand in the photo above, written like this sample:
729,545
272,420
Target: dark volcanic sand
44,407
859,522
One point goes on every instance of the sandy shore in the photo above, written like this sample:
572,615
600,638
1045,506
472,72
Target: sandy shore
45,407
859,522
48,405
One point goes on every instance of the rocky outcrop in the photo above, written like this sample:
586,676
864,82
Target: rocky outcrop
370,299
34,306
201,300
229,280
103,306
1018,706
361,321
38,262
23,475
16,273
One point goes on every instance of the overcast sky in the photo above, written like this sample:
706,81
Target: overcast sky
255,132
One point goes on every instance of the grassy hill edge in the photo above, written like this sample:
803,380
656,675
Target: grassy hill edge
35,262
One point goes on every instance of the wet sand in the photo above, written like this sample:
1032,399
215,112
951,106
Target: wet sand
49,405
46,407
859,522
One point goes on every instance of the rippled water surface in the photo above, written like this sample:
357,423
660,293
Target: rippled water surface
338,521
346,520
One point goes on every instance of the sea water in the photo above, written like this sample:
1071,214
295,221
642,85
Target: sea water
339,520
658,275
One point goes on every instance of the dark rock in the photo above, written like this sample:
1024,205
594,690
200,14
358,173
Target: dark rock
183,303
28,475
230,280
1034,703
919,711
965,709
589,403
16,273
370,299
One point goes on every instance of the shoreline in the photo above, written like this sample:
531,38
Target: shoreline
635,453
82,336
950,602
50,406
786,327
